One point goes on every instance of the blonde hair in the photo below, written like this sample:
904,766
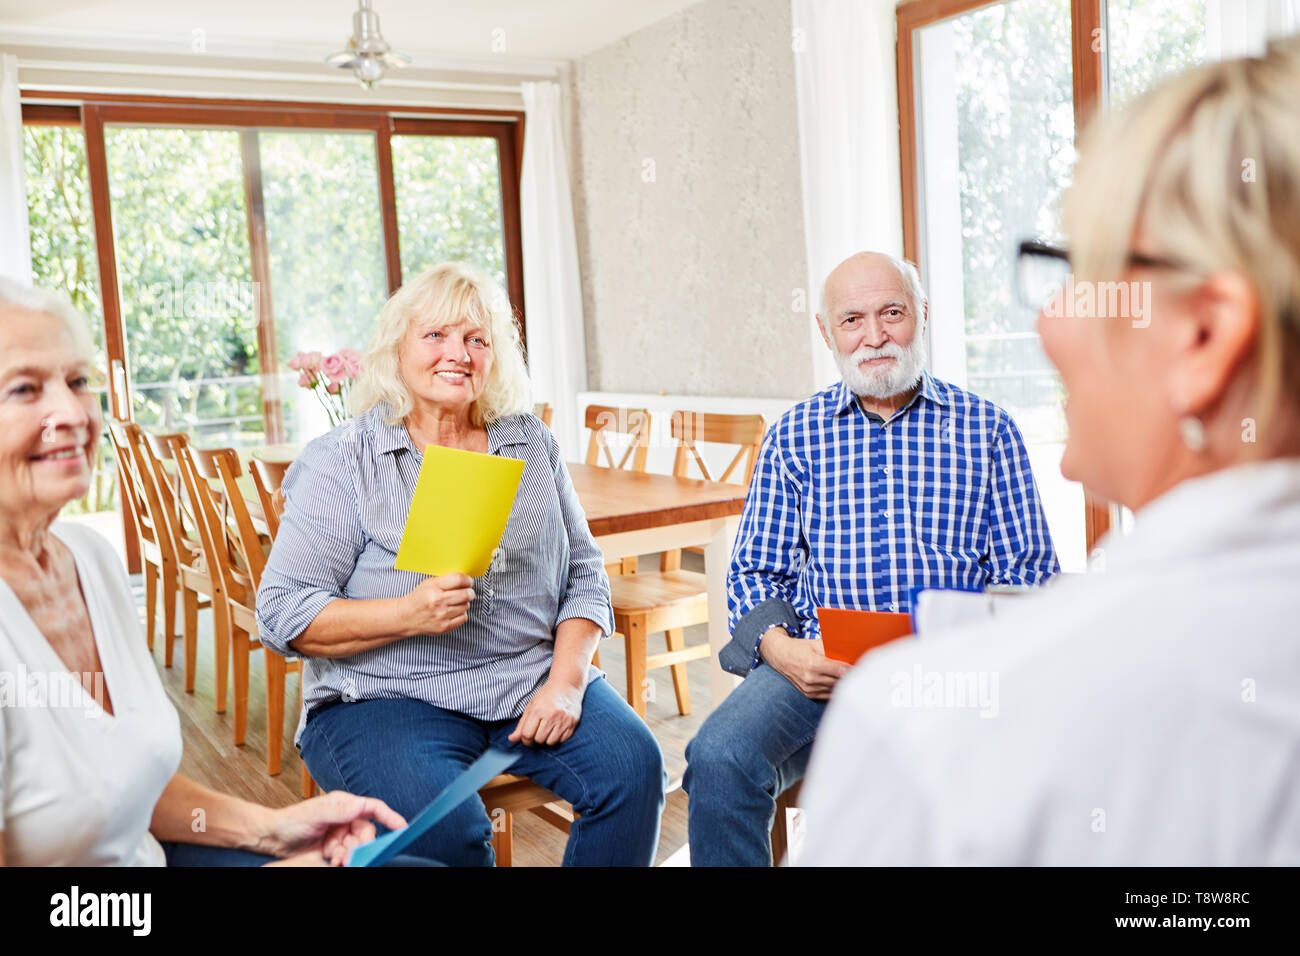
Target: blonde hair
1209,163
450,292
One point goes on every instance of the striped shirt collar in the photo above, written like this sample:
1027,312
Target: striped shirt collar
842,397
390,438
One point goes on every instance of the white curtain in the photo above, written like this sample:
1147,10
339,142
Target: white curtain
1244,27
15,244
844,67
557,351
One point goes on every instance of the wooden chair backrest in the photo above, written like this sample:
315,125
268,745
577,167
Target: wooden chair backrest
543,411
199,466
746,431
267,478
634,422
178,512
131,481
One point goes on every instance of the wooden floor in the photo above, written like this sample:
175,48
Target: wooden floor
212,758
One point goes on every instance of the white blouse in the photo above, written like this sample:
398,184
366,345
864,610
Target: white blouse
1148,714
79,785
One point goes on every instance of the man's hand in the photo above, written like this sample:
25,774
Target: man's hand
325,828
551,716
439,605
802,662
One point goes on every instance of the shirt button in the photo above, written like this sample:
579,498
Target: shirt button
885,513
893,607
885,469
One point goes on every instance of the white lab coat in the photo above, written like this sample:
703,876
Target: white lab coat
1147,714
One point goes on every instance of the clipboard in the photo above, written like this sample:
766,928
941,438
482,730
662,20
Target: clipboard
848,634
383,848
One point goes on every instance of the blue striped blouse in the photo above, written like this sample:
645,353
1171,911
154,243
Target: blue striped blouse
346,500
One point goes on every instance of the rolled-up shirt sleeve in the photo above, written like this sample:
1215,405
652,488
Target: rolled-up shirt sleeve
316,548
765,562
586,590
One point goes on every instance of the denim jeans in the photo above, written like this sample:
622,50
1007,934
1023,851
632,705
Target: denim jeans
406,751
750,749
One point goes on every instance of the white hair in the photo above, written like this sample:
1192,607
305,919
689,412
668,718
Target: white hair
26,298
911,278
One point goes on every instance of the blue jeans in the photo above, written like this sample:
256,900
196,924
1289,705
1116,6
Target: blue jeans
750,749
406,751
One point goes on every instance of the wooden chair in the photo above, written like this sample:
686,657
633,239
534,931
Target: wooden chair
193,574
507,794
604,420
781,825
671,599
543,411
237,558
267,478
157,554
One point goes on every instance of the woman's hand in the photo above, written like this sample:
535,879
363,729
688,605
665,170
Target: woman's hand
551,716
439,605
327,827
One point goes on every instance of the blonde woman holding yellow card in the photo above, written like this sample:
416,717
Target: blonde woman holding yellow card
410,677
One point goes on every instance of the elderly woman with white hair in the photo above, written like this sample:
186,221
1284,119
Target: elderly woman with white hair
89,743
410,678
1147,713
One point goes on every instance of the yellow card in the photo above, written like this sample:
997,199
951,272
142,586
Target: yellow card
459,512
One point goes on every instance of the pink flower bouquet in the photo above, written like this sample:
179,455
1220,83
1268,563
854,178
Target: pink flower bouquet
329,377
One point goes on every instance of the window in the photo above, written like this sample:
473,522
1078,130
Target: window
63,253
244,233
990,98
213,204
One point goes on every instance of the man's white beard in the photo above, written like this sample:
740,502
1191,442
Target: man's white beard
893,379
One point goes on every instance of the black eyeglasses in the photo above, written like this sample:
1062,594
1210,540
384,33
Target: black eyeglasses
1042,270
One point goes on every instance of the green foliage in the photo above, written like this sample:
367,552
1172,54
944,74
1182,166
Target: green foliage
449,203
185,281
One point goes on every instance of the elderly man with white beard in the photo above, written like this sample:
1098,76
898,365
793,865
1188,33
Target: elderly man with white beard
885,483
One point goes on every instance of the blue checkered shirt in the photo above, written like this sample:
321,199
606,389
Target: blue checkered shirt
846,511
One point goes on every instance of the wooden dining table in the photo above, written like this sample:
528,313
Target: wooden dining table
638,513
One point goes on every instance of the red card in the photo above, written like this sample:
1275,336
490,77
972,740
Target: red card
847,635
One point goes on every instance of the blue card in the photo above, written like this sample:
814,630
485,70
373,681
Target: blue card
382,849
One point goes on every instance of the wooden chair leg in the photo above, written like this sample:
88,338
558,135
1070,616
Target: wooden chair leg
275,671
239,650
676,640
503,841
308,786
151,607
191,601
169,587
221,648
634,643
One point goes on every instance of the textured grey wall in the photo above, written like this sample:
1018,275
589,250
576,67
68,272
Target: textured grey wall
688,206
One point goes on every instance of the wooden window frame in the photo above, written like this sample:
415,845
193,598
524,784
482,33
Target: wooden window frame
1086,23
92,111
